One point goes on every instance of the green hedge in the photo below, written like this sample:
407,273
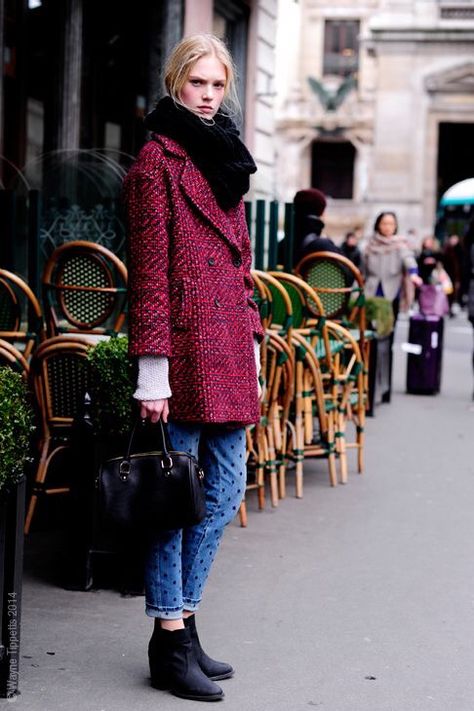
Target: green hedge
16,426
111,386
379,313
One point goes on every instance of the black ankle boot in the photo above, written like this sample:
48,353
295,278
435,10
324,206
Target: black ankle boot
173,666
211,668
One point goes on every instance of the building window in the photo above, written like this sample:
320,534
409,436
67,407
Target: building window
341,47
459,12
230,23
332,169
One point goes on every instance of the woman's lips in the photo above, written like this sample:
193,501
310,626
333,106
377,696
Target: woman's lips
205,108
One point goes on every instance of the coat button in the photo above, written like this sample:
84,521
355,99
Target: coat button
217,302
211,261
237,262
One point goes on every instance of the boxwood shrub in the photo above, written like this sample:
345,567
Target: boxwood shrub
16,426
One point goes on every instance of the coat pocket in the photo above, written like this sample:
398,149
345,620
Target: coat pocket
181,304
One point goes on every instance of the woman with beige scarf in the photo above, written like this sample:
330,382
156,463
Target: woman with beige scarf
387,258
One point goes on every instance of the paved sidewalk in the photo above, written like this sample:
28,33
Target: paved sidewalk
359,598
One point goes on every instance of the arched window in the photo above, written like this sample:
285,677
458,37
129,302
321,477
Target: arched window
332,168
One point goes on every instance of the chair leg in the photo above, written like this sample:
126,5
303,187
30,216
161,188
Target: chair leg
282,479
332,454
271,464
341,427
299,458
243,514
360,449
289,436
260,469
40,478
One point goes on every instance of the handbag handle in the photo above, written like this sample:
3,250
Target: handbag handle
164,445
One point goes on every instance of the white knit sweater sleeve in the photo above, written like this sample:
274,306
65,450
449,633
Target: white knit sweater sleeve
256,350
153,378
153,382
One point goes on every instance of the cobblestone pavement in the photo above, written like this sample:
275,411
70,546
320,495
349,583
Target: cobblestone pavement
359,598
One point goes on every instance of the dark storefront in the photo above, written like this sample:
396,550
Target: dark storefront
78,77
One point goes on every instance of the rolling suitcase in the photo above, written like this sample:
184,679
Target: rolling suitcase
425,338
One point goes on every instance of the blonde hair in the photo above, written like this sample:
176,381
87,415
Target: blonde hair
186,53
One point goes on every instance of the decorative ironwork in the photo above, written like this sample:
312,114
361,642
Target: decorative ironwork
99,224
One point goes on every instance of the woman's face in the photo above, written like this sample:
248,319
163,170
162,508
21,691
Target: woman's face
203,91
387,226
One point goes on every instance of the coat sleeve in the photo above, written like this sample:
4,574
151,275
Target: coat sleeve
255,321
148,221
409,261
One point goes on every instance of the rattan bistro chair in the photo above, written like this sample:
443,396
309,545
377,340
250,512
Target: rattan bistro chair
340,286
266,441
341,370
84,290
21,318
12,358
59,379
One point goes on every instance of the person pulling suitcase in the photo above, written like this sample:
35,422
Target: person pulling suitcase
425,337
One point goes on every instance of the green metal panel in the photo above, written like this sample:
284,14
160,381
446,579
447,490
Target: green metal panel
248,216
273,235
260,234
289,236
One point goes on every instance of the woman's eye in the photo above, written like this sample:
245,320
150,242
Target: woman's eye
195,82
219,85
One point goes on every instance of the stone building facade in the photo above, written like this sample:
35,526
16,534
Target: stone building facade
251,27
401,130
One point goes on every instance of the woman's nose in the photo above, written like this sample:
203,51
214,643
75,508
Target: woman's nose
208,92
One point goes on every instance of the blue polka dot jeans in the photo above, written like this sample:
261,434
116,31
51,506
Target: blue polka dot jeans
178,561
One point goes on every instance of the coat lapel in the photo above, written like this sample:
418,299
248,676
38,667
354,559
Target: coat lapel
198,191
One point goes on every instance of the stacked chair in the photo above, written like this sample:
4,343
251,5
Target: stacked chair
314,359
340,286
314,370
84,288
58,378
12,358
21,318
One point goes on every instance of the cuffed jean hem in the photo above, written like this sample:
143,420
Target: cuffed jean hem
167,613
191,605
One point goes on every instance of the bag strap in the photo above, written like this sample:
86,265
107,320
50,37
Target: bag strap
164,442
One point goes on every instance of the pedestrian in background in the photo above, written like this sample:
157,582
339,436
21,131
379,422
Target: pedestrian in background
468,274
453,256
350,249
194,329
309,207
386,259
428,259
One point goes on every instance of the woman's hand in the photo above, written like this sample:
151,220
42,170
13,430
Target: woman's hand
417,280
154,409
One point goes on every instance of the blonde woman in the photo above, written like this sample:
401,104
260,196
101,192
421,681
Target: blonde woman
194,329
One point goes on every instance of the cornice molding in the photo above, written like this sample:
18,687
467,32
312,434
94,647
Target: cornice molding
421,35
456,80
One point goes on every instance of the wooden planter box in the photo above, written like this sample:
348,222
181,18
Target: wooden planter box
380,372
12,518
91,545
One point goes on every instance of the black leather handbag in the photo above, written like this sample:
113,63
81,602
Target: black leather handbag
151,491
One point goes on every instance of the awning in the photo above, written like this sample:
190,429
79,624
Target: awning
459,194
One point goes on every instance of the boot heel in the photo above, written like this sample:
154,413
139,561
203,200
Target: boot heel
161,682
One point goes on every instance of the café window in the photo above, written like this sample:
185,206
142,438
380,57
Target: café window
332,168
341,47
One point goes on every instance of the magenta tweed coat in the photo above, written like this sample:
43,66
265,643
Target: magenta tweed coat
190,287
